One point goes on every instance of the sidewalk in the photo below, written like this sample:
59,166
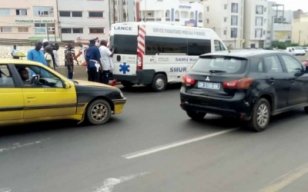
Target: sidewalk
79,72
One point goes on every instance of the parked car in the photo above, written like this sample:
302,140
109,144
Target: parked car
251,85
31,92
298,51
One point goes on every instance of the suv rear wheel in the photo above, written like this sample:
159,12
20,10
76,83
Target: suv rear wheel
197,116
261,115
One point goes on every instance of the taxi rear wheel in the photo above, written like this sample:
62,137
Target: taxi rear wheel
98,112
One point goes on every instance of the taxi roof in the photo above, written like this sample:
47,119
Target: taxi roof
18,62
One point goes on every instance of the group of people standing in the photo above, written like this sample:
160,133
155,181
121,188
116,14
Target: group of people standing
99,61
98,58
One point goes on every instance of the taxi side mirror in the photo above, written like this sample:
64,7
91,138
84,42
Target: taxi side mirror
66,85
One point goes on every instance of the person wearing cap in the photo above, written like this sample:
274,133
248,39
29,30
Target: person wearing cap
36,54
93,61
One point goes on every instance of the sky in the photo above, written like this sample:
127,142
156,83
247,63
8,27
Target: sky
294,4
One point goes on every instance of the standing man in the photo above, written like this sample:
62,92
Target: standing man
36,54
106,61
14,52
69,60
93,61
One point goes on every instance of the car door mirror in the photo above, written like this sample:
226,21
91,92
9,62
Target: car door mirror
299,72
67,85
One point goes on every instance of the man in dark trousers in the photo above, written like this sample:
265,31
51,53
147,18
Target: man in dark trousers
69,60
94,64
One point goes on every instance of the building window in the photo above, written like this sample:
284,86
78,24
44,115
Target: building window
226,6
234,20
184,14
5,29
77,30
65,13
43,11
66,30
40,28
200,17
95,13
76,13
97,30
192,15
208,21
21,12
225,32
259,9
4,12
23,29
233,32
258,33
208,8
234,7
177,16
259,21
168,15
225,19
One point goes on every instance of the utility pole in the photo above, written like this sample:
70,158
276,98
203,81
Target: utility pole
299,37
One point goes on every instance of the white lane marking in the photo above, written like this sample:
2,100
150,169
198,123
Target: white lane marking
176,144
15,146
111,182
5,190
286,179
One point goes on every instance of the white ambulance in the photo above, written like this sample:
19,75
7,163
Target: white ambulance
154,54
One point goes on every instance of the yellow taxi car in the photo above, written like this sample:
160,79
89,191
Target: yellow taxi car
31,92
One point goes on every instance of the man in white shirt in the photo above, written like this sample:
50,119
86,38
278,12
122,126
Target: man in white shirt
106,60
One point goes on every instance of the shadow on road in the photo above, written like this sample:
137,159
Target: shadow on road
147,89
216,122
52,126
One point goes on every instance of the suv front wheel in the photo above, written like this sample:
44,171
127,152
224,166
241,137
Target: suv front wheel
261,114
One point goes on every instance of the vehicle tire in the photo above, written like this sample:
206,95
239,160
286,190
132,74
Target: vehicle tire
196,116
126,84
261,114
98,112
159,82
306,109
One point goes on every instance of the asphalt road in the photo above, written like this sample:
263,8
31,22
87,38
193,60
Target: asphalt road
154,147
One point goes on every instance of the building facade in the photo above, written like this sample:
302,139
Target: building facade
281,23
29,20
172,11
81,20
256,23
226,18
122,11
300,29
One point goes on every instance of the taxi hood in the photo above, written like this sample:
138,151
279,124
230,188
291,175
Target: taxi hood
92,84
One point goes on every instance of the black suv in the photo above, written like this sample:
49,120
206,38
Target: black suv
249,84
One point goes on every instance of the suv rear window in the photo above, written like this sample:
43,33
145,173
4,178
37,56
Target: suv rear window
227,65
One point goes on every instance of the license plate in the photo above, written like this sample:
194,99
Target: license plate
118,108
208,85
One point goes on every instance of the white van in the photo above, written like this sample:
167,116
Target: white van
296,51
154,54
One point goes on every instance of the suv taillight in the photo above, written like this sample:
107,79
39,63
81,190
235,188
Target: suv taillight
244,83
188,81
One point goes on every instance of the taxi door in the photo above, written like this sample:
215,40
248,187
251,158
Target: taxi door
47,96
11,98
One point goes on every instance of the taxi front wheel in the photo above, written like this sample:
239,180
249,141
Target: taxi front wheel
98,112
